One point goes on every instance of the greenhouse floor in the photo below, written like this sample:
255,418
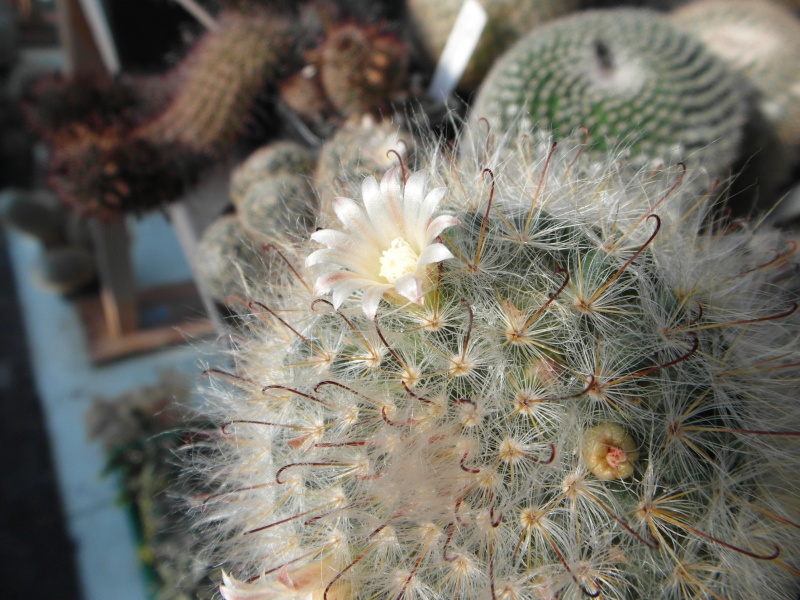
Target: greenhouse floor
64,535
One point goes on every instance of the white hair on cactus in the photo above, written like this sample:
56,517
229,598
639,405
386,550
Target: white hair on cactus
594,394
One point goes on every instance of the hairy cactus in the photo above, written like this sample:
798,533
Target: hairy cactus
760,40
508,20
630,78
226,258
359,148
277,207
529,378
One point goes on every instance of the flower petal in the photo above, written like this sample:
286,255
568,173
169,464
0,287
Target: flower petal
413,199
410,286
338,240
438,225
354,219
387,212
356,262
432,254
372,298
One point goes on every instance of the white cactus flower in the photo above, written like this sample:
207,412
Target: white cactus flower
387,247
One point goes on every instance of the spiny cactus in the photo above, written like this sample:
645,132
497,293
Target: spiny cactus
108,175
361,68
508,20
221,78
630,78
528,377
760,40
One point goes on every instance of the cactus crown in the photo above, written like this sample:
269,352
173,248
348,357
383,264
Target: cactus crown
592,394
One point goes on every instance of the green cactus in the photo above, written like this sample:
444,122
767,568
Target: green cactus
508,20
570,383
630,78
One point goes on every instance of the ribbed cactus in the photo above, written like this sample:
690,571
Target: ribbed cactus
630,78
508,20
530,377
760,40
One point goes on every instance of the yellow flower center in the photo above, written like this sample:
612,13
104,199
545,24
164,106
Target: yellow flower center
397,260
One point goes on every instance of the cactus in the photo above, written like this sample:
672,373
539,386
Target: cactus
629,77
362,68
359,148
508,20
225,255
760,40
220,79
107,175
527,377
278,207
278,158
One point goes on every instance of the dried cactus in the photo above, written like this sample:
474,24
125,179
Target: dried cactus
567,384
629,77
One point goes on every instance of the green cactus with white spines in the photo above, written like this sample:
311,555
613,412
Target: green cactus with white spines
630,78
528,377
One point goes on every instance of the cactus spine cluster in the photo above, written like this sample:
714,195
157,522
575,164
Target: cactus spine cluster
630,78
527,377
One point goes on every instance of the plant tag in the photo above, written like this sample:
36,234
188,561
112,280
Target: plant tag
458,50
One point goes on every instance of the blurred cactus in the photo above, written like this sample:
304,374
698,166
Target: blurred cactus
279,158
508,20
629,77
220,80
761,41
277,208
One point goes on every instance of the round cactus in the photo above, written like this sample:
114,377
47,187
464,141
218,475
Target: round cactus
359,148
362,68
531,379
508,20
760,40
278,158
630,78
225,257
278,207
